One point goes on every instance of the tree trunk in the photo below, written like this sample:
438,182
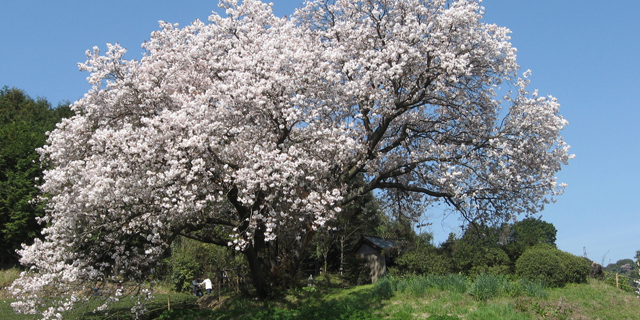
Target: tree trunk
257,274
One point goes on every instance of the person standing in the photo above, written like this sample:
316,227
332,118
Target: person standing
207,285
196,287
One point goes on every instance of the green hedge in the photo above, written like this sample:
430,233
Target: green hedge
551,266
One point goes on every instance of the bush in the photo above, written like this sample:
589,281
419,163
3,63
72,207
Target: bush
423,260
555,268
474,257
383,289
494,261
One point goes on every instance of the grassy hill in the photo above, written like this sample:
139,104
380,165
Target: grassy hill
435,298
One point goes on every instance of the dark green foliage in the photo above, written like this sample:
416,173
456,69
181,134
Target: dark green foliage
383,289
526,233
422,258
330,248
359,304
494,249
23,124
551,266
358,271
479,251
489,260
190,259
577,268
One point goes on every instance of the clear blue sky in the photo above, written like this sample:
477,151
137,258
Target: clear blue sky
584,52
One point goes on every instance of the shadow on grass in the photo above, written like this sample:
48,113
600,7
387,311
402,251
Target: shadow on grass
360,303
121,310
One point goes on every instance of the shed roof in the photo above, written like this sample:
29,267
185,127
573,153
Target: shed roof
379,243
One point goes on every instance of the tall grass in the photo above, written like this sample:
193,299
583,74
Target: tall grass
533,289
487,286
419,285
6,278
482,288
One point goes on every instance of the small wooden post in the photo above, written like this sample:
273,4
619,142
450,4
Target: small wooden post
238,280
219,285
617,281
168,302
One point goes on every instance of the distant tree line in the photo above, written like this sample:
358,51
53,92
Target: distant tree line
24,122
525,248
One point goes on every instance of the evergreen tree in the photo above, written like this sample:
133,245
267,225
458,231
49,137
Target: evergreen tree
23,124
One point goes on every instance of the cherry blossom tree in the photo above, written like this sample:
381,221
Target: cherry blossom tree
248,132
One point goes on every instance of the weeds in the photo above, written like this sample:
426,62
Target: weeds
544,309
533,289
487,286
418,285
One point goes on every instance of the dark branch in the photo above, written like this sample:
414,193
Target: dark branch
400,186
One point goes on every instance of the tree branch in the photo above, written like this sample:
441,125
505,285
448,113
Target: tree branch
400,186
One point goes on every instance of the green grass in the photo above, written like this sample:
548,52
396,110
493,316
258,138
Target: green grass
6,278
425,297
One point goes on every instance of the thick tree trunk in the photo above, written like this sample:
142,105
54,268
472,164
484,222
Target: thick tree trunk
257,273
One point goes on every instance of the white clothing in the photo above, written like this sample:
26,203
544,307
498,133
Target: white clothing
207,284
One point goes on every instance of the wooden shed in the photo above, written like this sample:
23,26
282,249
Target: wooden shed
371,249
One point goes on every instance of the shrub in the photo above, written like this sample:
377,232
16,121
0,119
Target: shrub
474,256
383,289
555,268
423,260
